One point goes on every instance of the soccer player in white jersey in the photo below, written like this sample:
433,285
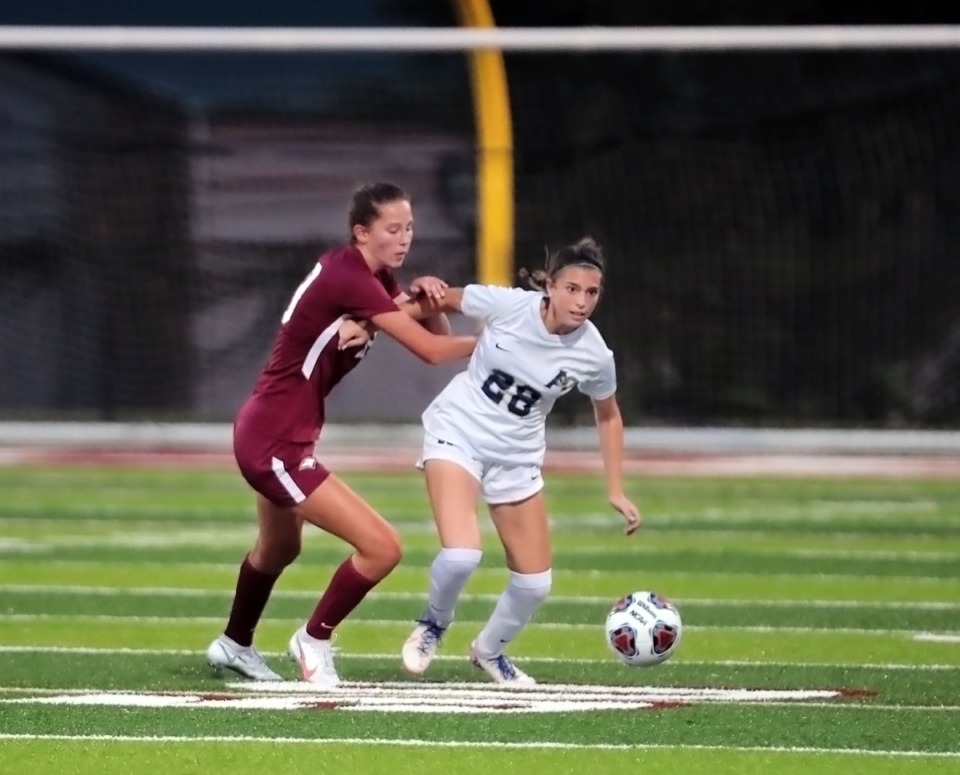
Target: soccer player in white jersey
484,438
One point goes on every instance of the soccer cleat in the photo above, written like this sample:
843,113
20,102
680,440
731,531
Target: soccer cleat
500,669
225,654
315,658
422,645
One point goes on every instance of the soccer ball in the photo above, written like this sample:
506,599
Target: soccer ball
643,629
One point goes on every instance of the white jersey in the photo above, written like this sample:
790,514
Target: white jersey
499,405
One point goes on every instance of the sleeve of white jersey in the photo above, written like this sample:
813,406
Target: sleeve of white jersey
603,384
489,301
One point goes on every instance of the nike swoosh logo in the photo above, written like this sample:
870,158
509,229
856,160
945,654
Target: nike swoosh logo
307,674
231,658
497,345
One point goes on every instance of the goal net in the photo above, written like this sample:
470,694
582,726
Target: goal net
781,223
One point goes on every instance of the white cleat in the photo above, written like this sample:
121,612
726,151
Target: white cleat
225,654
315,658
500,669
421,646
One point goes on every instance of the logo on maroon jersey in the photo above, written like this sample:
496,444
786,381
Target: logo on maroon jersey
308,462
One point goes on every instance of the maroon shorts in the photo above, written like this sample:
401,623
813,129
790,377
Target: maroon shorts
283,472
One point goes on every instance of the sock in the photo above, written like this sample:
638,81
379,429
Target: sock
523,596
249,600
449,573
344,593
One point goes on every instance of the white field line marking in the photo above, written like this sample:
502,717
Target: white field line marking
710,519
866,554
293,594
337,700
938,637
235,536
446,698
852,705
570,525
84,591
470,689
95,566
531,745
676,663
145,515
558,626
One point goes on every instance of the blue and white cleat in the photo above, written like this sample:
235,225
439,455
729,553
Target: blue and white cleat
500,669
421,646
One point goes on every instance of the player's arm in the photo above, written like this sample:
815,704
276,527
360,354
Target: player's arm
606,411
429,347
435,322
423,307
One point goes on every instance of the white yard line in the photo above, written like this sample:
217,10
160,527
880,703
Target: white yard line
679,663
95,566
293,594
938,637
559,626
530,745
423,697
47,691
234,537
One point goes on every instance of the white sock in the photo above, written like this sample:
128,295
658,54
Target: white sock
449,573
523,596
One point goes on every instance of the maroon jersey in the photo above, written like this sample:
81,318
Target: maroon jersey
288,399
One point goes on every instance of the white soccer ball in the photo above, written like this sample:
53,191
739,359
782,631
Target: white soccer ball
643,629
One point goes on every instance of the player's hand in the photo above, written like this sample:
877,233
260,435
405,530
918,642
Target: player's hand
432,287
352,334
629,511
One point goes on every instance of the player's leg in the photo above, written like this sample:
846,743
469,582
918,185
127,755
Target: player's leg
277,545
524,531
334,507
453,488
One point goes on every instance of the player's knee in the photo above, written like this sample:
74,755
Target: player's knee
386,551
393,552
274,556
457,562
532,586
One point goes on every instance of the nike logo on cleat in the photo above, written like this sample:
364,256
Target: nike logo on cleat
231,658
307,673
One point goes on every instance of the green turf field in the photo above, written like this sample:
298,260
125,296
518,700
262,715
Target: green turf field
821,634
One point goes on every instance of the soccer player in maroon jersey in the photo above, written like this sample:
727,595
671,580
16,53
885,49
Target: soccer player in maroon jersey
276,429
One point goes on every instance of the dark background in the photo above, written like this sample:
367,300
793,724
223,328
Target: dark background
781,227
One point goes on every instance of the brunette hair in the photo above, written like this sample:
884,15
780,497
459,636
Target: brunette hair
367,201
586,252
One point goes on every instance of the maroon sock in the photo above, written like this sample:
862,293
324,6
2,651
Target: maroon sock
347,588
249,600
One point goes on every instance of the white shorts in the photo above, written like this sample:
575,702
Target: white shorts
499,482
